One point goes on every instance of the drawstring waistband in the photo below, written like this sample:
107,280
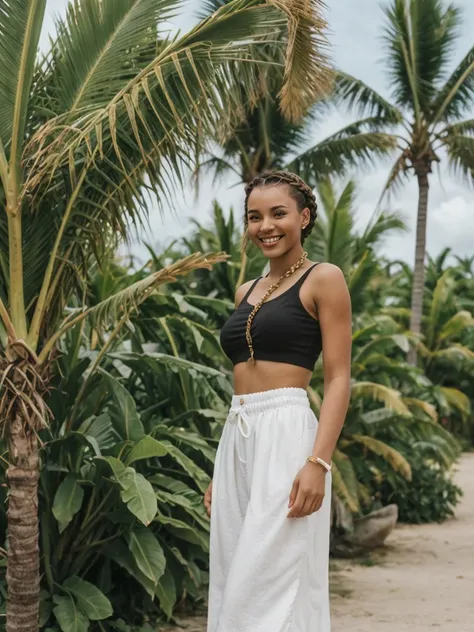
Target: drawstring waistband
244,406
255,403
239,415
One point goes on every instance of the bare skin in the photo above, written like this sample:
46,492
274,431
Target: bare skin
273,212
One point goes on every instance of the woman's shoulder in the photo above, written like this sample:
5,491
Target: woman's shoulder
325,270
326,277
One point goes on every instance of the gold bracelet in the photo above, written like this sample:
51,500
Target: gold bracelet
319,461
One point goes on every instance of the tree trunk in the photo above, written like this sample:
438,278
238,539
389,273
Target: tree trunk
420,250
23,577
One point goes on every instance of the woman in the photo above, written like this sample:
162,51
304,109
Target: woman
269,501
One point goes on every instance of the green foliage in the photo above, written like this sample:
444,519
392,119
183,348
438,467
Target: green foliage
430,495
126,460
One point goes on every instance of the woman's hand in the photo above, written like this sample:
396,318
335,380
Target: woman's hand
208,499
308,491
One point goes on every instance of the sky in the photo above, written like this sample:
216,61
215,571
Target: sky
355,36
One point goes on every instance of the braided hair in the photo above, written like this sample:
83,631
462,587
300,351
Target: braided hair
299,191
304,198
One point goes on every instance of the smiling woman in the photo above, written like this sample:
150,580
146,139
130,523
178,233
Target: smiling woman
270,498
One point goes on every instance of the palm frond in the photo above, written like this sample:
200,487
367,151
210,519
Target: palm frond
380,226
461,155
335,233
460,128
457,400
100,46
349,147
307,75
397,177
20,28
92,171
360,277
455,97
210,6
456,325
188,85
440,295
425,407
119,306
454,353
389,397
315,400
420,35
344,480
393,457
358,96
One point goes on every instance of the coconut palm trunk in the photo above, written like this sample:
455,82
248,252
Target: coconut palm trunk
420,250
23,575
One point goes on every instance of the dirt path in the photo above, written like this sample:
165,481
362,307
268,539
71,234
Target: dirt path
423,579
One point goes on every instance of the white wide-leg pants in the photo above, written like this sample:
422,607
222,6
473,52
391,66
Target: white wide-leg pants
268,572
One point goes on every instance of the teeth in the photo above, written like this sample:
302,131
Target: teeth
271,240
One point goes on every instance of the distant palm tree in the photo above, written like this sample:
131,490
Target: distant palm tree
267,139
428,107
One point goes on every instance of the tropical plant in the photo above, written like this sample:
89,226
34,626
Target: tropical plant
125,461
427,112
446,353
113,111
389,415
430,495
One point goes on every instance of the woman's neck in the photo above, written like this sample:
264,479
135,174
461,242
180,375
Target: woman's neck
280,265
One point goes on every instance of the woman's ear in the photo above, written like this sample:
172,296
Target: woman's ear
306,216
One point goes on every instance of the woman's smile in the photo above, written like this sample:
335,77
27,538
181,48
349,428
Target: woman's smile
269,242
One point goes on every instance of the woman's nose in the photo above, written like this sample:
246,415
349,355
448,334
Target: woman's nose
268,224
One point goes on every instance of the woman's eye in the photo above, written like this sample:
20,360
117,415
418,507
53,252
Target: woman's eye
252,218
280,214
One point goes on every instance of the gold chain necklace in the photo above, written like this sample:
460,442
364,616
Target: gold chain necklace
270,290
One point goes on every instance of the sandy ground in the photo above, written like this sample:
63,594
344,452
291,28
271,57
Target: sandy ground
422,579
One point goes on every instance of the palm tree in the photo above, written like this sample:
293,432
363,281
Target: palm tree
428,107
265,138
111,113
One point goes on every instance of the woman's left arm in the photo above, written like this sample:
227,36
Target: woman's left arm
334,312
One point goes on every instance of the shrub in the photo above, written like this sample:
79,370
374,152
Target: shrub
430,496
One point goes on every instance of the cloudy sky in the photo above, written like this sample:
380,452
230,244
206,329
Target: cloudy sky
356,47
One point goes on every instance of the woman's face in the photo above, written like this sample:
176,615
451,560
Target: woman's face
274,221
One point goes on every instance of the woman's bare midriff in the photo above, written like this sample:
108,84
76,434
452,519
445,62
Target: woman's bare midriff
266,376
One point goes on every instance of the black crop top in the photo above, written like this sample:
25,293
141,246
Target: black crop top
282,330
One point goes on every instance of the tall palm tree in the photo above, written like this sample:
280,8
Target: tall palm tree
110,113
428,104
